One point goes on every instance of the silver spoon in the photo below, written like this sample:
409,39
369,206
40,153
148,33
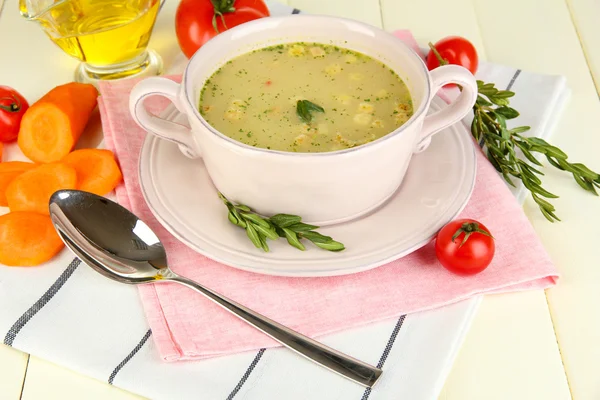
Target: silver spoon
120,246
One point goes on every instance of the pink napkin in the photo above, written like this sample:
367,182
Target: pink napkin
186,326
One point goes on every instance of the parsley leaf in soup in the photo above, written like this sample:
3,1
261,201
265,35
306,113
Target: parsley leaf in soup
304,108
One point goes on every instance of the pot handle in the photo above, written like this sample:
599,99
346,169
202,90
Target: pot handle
168,130
456,110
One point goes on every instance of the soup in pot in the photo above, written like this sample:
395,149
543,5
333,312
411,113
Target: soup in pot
305,97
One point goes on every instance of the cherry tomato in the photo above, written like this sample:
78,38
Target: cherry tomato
198,21
12,108
465,246
455,50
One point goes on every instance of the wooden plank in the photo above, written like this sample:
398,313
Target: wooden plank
510,352
47,381
365,10
434,19
13,366
492,348
541,37
585,14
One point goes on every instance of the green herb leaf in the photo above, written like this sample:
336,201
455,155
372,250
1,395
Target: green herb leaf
267,232
549,215
501,120
499,101
284,220
263,242
280,232
585,171
527,153
302,227
316,237
538,141
528,167
482,101
304,109
253,235
504,94
235,221
507,112
554,163
236,214
331,246
257,219
519,129
292,239
536,188
587,185
540,201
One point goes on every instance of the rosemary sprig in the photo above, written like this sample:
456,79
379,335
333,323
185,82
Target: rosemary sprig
290,227
502,145
491,111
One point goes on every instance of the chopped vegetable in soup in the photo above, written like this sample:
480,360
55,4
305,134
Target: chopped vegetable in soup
305,97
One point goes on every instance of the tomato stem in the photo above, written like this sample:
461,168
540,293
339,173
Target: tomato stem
221,7
439,57
15,106
468,228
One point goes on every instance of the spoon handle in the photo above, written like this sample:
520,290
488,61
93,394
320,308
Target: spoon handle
327,357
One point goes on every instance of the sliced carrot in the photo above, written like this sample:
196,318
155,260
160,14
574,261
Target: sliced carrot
27,239
51,126
9,171
31,190
1,150
97,170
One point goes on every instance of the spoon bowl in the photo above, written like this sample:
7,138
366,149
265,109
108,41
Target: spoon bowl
120,246
128,252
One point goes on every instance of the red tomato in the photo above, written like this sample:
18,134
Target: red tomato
198,21
465,246
455,50
12,108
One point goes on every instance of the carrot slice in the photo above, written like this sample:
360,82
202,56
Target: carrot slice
27,239
9,171
31,190
51,126
97,170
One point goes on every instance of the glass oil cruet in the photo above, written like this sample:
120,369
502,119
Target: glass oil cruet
109,37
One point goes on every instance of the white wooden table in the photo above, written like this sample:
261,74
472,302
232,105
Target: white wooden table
532,345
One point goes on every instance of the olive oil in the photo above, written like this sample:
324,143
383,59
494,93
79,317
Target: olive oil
102,32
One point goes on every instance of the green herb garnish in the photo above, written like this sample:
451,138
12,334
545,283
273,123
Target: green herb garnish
304,109
489,127
290,227
491,111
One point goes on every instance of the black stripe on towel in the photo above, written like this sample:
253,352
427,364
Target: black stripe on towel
295,11
510,85
386,351
129,356
38,305
514,78
244,378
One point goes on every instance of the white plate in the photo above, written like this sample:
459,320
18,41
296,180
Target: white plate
436,188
